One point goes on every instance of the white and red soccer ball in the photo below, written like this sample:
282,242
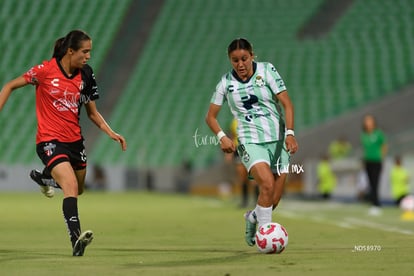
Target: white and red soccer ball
271,238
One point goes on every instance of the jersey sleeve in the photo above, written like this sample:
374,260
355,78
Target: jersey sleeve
275,81
219,96
90,88
36,74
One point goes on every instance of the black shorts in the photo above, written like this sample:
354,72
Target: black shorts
54,152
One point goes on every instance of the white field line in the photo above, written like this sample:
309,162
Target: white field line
378,226
315,218
347,222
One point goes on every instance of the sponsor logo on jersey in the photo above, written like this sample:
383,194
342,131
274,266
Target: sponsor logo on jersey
252,116
243,153
230,88
55,82
83,155
280,83
246,157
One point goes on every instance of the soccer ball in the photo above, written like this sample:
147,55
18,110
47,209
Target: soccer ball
407,203
271,238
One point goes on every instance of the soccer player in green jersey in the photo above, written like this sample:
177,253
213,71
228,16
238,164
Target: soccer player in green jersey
374,145
256,93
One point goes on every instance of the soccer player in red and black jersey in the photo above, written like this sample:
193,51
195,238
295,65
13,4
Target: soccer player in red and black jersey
63,84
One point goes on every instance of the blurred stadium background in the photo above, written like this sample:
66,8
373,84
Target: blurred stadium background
157,63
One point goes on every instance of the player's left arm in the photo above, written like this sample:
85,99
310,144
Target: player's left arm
99,121
283,97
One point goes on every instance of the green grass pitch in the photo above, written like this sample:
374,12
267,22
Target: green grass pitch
138,233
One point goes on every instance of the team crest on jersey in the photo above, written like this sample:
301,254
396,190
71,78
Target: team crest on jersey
259,81
49,148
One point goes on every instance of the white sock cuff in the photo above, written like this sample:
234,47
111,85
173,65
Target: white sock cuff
264,214
263,208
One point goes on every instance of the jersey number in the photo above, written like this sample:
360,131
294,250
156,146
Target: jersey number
249,101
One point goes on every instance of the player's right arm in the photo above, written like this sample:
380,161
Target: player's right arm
226,143
216,102
9,87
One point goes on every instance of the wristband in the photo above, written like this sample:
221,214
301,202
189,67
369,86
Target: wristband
289,132
220,135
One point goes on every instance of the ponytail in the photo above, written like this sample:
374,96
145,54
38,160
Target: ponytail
59,51
72,40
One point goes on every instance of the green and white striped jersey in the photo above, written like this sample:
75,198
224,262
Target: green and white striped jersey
253,103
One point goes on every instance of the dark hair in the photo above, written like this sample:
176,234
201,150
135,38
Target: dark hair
72,40
240,43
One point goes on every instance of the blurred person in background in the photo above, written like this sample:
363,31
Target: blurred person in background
256,93
340,148
326,177
63,84
98,179
399,179
374,147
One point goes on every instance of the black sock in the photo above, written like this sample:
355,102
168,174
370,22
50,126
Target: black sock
70,213
46,173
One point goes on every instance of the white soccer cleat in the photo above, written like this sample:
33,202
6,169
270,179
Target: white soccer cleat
47,191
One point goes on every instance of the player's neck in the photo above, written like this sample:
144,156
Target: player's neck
65,64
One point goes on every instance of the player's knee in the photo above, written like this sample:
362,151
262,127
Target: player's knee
69,188
266,186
